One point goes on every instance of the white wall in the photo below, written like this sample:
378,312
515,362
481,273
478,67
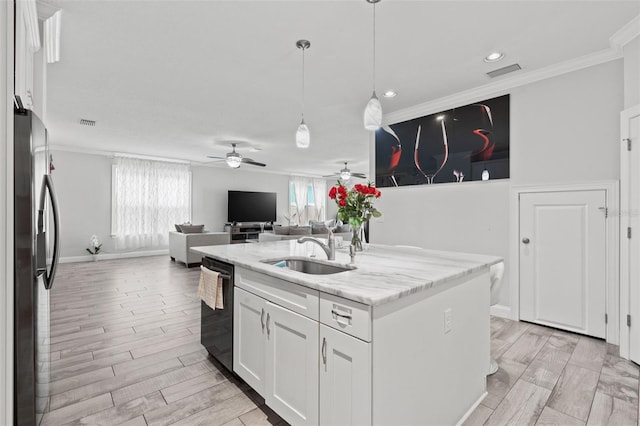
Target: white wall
631,53
83,186
563,130
6,213
210,186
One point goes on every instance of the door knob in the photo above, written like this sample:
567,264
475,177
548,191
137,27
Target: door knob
525,240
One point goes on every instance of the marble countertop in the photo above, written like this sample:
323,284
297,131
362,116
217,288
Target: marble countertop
382,274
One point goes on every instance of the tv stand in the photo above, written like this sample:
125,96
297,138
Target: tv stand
243,232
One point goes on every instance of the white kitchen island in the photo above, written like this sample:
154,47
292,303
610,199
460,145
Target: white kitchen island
402,339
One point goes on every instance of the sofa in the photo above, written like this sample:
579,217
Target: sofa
316,229
180,245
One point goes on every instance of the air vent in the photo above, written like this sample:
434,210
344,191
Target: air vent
85,122
504,70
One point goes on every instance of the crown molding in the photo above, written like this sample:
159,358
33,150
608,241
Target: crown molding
625,34
502,86
113,154
45,10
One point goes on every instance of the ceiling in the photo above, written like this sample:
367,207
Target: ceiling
179,79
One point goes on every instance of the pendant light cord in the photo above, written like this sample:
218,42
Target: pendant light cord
374,47
303,49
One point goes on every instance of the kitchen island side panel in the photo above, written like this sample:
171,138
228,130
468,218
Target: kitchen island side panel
422,374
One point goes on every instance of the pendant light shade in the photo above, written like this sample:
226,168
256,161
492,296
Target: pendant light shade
373,114
303,137
373,110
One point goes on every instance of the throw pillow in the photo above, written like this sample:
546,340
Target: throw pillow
178,228
281,230
330,223
319,228
192,229
343,228
300,230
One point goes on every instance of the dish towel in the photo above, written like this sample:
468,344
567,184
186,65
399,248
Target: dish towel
210,288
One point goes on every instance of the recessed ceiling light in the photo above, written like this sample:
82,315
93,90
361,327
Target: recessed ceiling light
440,117
389,94
494,57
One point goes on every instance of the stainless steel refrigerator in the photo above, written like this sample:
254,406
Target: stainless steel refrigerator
35,262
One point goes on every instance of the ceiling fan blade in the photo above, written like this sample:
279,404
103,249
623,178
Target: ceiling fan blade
217,158
332,175
359,175
252,162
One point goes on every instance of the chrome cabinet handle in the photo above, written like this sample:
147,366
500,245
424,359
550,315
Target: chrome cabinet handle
262,319
324,350
333,311
525,240
268,319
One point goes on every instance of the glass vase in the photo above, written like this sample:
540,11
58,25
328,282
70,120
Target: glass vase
356,237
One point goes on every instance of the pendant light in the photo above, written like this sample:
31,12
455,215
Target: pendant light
373,110
303,138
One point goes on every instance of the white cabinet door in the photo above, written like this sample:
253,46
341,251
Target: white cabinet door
563,260
292,365
27,42
345,379
249,338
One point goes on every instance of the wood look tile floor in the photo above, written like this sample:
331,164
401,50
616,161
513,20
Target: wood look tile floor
125,350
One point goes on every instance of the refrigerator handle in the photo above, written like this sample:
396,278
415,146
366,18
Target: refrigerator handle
41,254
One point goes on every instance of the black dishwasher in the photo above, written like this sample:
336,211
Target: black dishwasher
216,331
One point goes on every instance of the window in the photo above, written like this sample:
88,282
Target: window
148,198
306,200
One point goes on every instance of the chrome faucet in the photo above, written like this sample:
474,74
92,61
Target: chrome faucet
329,248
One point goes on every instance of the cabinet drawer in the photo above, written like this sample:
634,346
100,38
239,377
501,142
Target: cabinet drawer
299,299
345,315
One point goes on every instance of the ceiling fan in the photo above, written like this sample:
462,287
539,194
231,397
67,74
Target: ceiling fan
234,159
346,174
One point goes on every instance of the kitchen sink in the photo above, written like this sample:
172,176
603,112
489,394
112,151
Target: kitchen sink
310,266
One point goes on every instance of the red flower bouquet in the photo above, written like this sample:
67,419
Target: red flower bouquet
355,206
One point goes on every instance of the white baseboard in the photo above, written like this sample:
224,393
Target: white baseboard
500,311
472,409
113,256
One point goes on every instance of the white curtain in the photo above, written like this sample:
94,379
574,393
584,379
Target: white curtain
304,212
320,198
301,191
149,198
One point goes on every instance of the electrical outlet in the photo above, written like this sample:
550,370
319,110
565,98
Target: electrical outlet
448,320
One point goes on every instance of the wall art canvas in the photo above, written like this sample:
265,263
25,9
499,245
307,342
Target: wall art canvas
458,145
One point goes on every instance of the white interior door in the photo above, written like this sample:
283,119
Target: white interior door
563,260
630,241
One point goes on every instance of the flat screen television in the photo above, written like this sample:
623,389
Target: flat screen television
246,206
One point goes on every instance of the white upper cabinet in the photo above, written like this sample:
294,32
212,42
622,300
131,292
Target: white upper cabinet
27,44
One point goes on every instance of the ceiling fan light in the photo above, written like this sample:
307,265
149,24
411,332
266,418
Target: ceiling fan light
373,114
234,161
345,175
303,137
